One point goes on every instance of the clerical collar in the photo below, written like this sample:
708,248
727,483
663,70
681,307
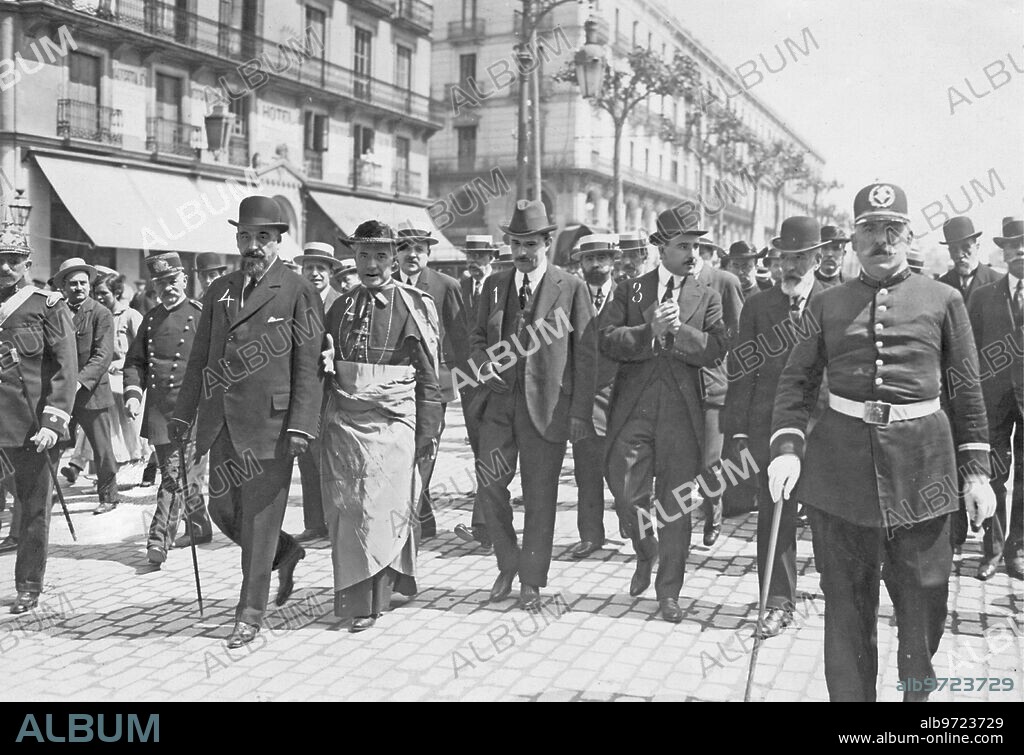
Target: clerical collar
892,280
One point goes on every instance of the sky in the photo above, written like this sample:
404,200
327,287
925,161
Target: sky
873,97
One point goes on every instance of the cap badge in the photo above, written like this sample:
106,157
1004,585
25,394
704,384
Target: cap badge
882,196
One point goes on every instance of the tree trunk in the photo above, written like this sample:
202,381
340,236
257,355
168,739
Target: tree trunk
754,234
618,220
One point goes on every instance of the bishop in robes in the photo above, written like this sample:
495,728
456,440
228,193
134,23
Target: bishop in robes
380,428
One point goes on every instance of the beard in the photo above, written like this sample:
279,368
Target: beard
254,264
596,277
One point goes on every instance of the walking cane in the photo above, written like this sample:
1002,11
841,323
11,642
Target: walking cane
191,523
15,361
772,542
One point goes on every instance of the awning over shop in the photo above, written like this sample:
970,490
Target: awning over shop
348,211
128,207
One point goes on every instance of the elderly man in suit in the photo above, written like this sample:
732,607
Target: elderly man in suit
480,252
877,469
413,253
662,328
94,336
253,389
534,354
770,325
967,274
996,312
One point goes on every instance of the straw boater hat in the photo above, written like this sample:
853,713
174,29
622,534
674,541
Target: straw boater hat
257,210
408,232
529,218
71,266
345,265
164,265
317,251
798,234
670,224
481,243
1013,230
597,243
207,261
633,241
958,229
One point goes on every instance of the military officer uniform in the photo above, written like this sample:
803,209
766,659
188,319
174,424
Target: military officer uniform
877,468
37,338
155,366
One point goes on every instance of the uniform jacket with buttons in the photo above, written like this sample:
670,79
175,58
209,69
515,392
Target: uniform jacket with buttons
94,337
156,363
41,331
254,369
899,341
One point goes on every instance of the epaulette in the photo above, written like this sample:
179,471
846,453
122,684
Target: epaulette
197,304
52,297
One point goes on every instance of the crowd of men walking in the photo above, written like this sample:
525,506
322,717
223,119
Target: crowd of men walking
858,399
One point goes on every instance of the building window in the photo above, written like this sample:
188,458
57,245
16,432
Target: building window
238,145
84,78
647,160
362,63
168,97
315,32
468,10
466,136
403,149
675,171
467,69
632,155
403,67
406,182
366,171
317,127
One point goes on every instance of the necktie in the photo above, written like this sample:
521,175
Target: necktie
525,293
669,288
794,308
965,282
599,299
476,290
247,291
1018,303
668,339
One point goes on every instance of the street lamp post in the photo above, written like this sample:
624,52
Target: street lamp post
17,211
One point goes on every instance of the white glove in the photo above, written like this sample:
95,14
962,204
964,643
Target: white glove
979,499
783,473
327,356
133,406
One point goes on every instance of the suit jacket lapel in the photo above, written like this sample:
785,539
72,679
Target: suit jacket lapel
689,298
643,292
421,282
499,300
265,291
550,288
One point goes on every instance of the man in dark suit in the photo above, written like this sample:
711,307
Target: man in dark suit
662,328
480,254
533,352
967,273
252,387
318,264
996,312
94,337
830,272
209,267
37,355
413,253
769,327
878,466
596,255
741,261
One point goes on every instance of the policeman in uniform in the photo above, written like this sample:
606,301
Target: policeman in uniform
879,465
155,367
830,273
37,346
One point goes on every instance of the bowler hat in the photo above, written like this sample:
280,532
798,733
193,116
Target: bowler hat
958,229
597,243
407,232
164,265
741,250
71,266
317,251
834,235
259,210
880,201
207,261
13,241
1013,230
671,223
480,243
633,241
528,218
799,234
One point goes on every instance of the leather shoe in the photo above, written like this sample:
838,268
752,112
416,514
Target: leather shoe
986,570
362,623
9,543
311,534
775,621
1014,566
711,532
105,507
645,557
185,541
585,548
502,586
670,610
70,472
242,634
285,572
25,602
156,554
529,597
464,533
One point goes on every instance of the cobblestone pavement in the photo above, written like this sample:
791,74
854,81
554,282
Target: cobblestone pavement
109,628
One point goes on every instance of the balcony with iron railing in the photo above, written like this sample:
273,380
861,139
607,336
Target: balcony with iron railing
313,163
367,175
285,61
414,14
466,29
382,8
173,137
87,120
408,182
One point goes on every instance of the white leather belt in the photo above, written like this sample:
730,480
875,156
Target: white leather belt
880,413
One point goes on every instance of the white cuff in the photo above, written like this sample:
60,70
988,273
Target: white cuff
787,431
974,447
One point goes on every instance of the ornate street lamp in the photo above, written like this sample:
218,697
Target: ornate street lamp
219,124
17,210
590,63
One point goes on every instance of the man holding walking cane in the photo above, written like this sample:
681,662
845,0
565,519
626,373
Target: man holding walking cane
38,369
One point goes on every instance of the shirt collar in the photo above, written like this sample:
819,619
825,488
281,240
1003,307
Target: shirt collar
535,275
1013,281
604,288
413,279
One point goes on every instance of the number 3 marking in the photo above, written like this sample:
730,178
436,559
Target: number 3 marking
637,295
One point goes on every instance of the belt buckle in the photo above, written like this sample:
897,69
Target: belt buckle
876,412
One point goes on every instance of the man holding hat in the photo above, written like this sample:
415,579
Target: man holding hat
769,326
661,328
154,368
830,272
94,336
633,260
996,312
878,467
37,355
413,253
209,267
480,251
741,261
535,356
967,273
253,390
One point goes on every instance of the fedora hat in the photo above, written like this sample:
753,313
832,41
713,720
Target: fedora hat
206,261
670,224
834,235
480,243
633,241
317,251
345,265
71,266
709,244
798,234
597,243
370,232
1013,230
408,232
528,218
13,241
164,265
880,201
958,229
259,210
741,250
